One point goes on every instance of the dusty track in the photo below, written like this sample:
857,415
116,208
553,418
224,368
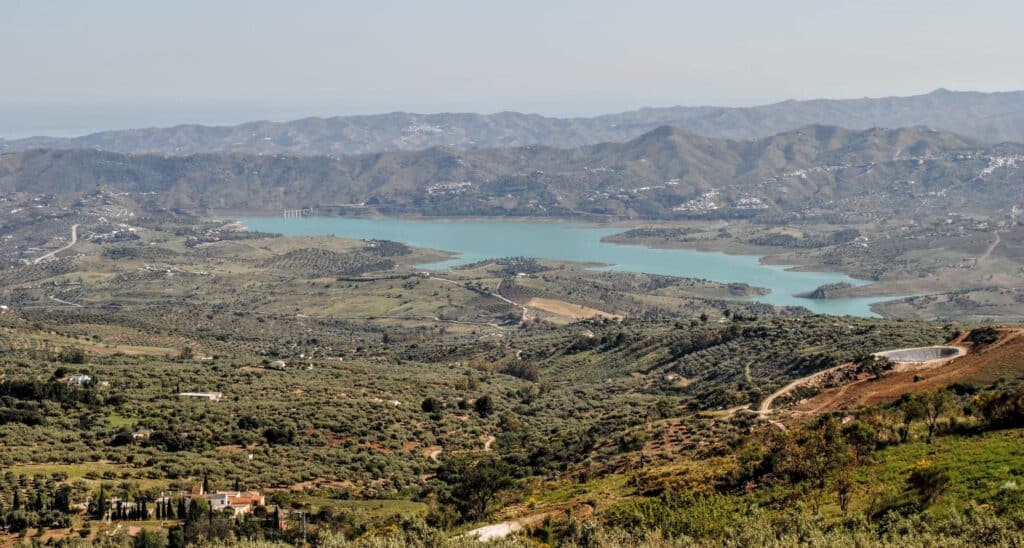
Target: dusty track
501,530
525,310
74,240
988,251
766,403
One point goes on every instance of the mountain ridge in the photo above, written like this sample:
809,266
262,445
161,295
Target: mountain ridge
990,117
665,173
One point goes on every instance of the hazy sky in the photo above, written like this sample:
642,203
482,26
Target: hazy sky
74,65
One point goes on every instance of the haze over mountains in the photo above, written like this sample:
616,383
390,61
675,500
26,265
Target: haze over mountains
664,173
989,117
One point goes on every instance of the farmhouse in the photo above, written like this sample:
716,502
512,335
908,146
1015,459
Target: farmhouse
142,434
212,396
79,379
239,502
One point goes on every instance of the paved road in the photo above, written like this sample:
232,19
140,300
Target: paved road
74,240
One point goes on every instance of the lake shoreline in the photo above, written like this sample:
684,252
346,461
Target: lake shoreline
766,256
581,242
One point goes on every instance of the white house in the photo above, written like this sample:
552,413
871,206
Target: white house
79,378
212,396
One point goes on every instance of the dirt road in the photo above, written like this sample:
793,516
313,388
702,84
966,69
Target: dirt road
494,532
991,248
525,310
766,403
74,240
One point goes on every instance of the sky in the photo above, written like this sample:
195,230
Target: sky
70,66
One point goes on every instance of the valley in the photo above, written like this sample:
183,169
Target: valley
588,389
511,274
420,347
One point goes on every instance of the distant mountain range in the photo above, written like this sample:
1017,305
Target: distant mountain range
665,173
989,117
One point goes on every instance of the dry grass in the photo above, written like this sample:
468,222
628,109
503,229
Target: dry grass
569,310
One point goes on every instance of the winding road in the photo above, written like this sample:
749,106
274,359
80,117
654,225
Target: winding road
766,404
991,248
74,240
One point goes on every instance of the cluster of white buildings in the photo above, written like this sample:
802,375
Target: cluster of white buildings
703,204
239,502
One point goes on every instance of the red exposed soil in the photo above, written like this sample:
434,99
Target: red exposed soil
981,365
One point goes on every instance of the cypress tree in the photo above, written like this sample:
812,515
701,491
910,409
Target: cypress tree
101,503
62,501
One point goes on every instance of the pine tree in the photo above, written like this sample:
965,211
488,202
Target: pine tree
182,512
